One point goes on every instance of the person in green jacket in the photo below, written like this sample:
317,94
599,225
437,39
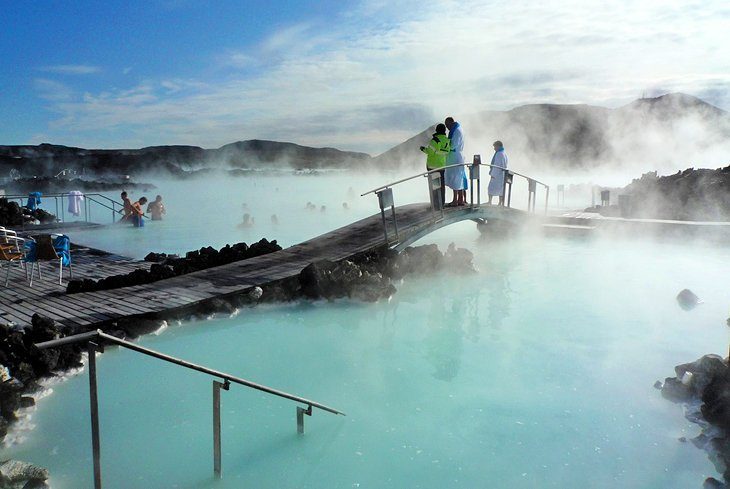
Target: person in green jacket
436,151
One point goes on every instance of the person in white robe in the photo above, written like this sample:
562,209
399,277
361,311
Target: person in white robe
456,177
497,173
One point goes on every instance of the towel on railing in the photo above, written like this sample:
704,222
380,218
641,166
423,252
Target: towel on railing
75,198
62,245
34,200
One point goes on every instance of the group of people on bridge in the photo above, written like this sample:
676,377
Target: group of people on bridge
445,155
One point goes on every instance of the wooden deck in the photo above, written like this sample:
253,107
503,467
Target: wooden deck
19,301
712,230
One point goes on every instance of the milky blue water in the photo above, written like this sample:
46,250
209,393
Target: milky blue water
535,372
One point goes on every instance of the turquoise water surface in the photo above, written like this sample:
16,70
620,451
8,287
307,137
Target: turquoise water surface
535,372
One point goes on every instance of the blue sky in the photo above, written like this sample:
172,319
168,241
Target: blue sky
355,75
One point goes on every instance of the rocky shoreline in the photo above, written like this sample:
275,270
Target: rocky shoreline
689,195
12,214
58,185
165,266
703,388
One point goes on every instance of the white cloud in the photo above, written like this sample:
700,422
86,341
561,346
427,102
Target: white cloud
71,69
52,90
319,84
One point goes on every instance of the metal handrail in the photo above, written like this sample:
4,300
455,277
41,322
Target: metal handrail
94,339
426,173
385,192
87,197
84,337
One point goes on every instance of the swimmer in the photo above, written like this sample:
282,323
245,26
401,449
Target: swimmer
274,219
126,210
137,216
323,209
345,206
247,222
157,209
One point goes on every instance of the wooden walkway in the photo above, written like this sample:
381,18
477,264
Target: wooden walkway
84,310
591,221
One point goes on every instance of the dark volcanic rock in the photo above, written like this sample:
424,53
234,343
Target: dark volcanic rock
10,394
134,327
687,299
692,194
706,381
173,265
11,214
315,280
15,474
368,277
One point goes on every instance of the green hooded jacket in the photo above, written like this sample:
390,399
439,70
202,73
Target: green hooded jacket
436,151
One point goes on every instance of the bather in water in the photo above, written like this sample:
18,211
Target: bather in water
247,222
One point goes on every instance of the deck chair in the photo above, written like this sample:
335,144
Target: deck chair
49,248
9,239
11,256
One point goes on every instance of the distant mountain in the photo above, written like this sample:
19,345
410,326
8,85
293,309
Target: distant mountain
49,159
667,132
662,133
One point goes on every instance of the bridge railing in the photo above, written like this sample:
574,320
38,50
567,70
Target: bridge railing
91,201
386,199
95,340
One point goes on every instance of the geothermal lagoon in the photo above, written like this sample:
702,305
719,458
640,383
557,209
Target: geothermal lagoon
537,371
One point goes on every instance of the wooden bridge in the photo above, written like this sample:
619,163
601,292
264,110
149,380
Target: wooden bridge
166,297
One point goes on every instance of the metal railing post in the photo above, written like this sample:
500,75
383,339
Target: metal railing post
217,386
434,192
395,221
531,194
385,199
474,174
507,194
300,418
92,348
547,196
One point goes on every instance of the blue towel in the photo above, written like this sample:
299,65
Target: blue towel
62,245
34,200
31,256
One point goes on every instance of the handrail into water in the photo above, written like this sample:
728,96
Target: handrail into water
94,346
385,192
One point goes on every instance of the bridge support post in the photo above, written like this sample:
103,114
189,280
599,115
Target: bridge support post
385,199
217,386
507,192
434,192
547,196
531,194
474,175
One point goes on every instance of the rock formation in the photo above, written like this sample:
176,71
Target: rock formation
703,386
12,214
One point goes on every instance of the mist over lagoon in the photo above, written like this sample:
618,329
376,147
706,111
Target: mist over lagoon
472,244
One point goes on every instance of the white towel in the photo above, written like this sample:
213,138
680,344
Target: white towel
75,198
